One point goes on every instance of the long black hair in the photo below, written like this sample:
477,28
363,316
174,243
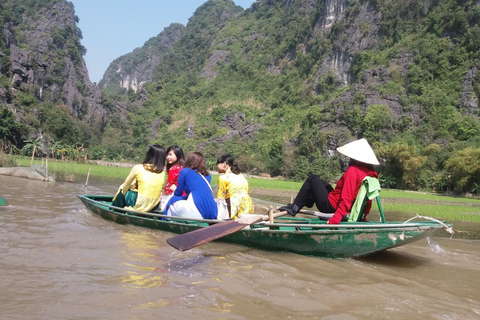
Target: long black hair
179,154
155,159
228,159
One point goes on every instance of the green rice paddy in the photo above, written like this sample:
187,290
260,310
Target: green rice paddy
79,170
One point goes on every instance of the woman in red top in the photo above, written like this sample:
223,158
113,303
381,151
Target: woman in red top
339,200
175,162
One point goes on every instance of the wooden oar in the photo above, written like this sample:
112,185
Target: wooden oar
3,202
195,238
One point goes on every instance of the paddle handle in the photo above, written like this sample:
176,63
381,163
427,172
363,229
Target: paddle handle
273,216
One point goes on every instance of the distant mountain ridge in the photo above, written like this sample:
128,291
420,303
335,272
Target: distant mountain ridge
134,69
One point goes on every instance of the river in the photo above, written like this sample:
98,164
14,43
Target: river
60,261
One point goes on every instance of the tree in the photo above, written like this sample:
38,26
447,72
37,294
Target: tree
377,122
10,130
275,157
387,181
32,146
403,164
464,169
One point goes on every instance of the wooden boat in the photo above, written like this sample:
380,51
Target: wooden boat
299,235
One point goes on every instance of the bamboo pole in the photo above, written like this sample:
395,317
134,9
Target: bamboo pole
88,175
33,154
46,169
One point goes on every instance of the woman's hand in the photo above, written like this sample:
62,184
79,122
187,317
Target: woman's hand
334,220
173,187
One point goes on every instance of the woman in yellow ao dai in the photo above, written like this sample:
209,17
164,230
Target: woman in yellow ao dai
148,179
233,187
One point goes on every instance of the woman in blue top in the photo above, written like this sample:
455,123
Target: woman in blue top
198,200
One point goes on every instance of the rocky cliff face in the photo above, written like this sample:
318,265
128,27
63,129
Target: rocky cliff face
44,60
134,69
360,32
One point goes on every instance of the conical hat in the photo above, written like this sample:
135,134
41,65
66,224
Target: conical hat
359,150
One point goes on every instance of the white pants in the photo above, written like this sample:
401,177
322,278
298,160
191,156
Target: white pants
163,202
185,209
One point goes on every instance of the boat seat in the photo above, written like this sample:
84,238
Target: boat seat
369,190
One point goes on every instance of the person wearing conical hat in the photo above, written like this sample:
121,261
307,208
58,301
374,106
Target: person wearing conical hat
338,201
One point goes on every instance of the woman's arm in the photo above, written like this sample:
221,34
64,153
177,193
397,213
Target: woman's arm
125,186
222,187
173,174
181,183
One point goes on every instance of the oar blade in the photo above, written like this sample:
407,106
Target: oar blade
195,238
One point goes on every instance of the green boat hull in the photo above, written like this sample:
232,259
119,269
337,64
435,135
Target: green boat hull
302,236
3,202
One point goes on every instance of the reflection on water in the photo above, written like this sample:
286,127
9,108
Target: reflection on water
138,248
60,261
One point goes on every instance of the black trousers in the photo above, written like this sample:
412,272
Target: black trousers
315,191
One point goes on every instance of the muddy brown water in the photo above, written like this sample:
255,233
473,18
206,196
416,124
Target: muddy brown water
60,261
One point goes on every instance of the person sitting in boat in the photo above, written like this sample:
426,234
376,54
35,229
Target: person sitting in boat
339,200
147,180
233,187
175,162
194,180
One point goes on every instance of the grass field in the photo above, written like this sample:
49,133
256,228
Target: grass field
79,170
440,207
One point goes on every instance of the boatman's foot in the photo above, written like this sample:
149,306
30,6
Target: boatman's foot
291,208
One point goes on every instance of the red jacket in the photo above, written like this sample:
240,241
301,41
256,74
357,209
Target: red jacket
172,178
346,190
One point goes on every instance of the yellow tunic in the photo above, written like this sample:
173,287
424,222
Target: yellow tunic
149,184
235,187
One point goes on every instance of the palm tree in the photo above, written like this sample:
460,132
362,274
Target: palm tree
56,146
387,181
13,149
476,187
32,145
62,151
